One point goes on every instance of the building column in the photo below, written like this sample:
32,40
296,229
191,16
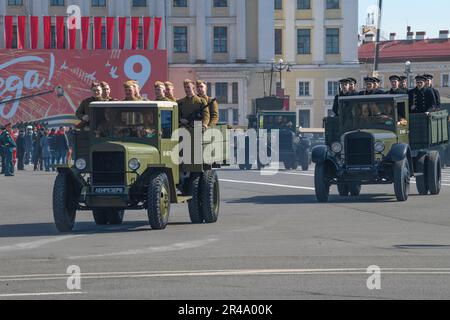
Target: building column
266,31
350,31
290,8
318,36
241,41
200,33
160,11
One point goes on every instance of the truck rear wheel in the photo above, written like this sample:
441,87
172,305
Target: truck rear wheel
401,179
355,190
210,194
343,189
434,172
321,183
195,204
64,208
421,180
158,201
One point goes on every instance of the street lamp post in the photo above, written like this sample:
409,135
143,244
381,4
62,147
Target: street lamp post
278,67
407,72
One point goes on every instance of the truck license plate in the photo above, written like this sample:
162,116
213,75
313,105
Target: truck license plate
109,190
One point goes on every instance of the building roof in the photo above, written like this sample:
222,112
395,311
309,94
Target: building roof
404,50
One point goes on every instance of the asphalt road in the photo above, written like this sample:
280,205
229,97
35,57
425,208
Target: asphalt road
272,241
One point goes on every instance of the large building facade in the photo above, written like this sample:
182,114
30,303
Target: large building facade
232,43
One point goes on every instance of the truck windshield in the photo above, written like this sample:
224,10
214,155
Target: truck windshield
124,123
367,115
277,122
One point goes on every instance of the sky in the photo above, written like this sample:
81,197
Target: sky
422,15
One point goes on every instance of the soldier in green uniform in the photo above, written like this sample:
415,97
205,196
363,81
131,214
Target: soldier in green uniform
8,145
202,90
170,91
106,89
160,91
192,107
82,112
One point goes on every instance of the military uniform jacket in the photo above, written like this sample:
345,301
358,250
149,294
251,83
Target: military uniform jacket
162,99
173,99
437,96
398,91
191,105
336,101
369,93
213,111
6,141
423,99
83,109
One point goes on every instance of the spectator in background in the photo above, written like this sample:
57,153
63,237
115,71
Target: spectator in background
20,142
62,146
53,152
46,150
37,149
9,146
28,145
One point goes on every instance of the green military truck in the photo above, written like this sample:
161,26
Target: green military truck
293,148
375,140
130,158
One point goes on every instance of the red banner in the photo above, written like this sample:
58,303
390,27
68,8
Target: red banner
72,38
84,32
21,27
50,84
47,32
134,32
98,32
110,23
158,22
8,32
122,32
34,29
147,22
60,33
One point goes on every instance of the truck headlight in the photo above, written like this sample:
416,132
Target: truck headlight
80,164
134,164
379,146
336,147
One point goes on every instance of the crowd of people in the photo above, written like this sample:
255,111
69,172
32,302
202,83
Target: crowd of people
422,98
34,144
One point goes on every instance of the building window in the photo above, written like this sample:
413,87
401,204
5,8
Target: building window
235,93
180,39
235,116
303,89
208,89
140,43
332,4
15,2
303,4
139,3
180,3
278,4
14,38
98,3
220,3
304,117
333,88
223,115
220,39
222,92
303,41
332,41
53,37
278,41
58,3
446,80
103,37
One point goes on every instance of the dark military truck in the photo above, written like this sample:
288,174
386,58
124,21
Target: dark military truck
293,148
375,140
129,159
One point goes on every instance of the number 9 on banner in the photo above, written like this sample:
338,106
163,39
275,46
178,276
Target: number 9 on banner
145,68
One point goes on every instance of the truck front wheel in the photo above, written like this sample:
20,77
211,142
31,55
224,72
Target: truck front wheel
321,183
104,216
210,196
195,204
421,180
434,173
401,179
343,189
158,201
64,207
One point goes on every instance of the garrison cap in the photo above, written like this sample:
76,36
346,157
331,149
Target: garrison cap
428,76
394,78
353,80
421,78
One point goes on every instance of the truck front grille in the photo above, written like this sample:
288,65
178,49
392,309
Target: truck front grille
359,149
108,168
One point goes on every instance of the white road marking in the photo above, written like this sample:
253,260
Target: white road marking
267,184
39,294
223,273
36,244
173,247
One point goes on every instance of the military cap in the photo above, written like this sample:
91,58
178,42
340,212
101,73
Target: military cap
420,78
352,80
402,78
377,80
394,78
428,76
369,79
344,81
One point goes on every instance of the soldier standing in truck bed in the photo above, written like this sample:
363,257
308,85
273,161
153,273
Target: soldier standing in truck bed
170,91
213,105
344,91
429,84
395,85
82,112
132,91
421,99
352,86
192,107
160,91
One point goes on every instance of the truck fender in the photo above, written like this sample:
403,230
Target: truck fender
319,154
399,151
168,171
